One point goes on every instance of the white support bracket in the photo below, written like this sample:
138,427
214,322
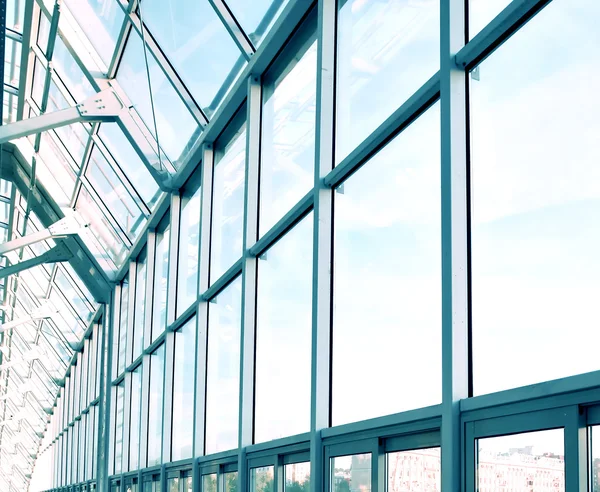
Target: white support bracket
59,253
46,310
67,226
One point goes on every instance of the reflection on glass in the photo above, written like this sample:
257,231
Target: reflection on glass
209,483
161,277
155,406
183,391
123,321
189,237
283,335
119,414
481,12
131,485
198,45
70,72
43,31
288,134
532,461
256,18
223,369
228,205
176,126
231,481
386,51
297,477
140,305
536,199
130,163
262,479
173,485
387,241
417,469
351,473
37,87
134,423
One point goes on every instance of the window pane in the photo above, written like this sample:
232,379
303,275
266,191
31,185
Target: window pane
176,126
283,338
155,406
183,391
231,482
161,276
387,241
134,423
386,51
351,473
140,306
536,198
482,12
418,469
198,45
189,236
288,133
209,483
228,205
119,408
123,321
223,371
261,479
297,477
531,461
173,485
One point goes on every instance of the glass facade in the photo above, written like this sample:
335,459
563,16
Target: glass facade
319,245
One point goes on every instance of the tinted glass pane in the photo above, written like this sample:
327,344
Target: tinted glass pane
387,241
256,18
223,371
297,477
228,205
531,461
261,479
140,307
161,276
386,50
189,235
176,125
288,133
209,483
155,406
70,72
536,198
283,339
197,44
417,469
183,391
231,482
119,408
123,321
134,425
351,473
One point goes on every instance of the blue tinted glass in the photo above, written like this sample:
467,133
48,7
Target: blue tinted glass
176,127
189,235
197,44
134,423
155,406
70,73
481,12
257,17
140,306
161,276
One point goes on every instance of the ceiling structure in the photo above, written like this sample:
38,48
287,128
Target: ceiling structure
102,176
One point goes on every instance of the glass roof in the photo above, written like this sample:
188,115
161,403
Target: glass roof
172,63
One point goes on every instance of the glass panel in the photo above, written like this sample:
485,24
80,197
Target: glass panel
228,205
70,73
386,51
209,483
101,21
288,133
155,406
283,335
532,461
594,458
256,18
43,32
189,236
223,369
161,277
134,423
481,13
536,198
418,469
297,477
130,163
183,391
114,194
387,241
231,481
198,45
12,62
119,413
140,305
173,485
261,479
123,321
176,125
351,473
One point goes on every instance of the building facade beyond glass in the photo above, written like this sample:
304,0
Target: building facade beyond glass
299,245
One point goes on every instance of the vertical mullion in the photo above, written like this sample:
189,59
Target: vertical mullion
454,200
143,457
104,405
149,309
249,277
322,240
116,331
576,450
126,421
202,307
